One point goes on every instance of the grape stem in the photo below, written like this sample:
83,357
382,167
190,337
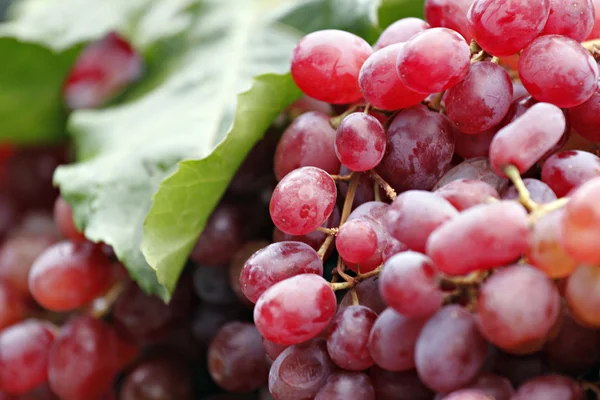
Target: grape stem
341,286
524,196
376,192
354,297
328,231
544,209
337,120
389,191
376,271
354,180
367,108
593,46
340,271
325,246
102,305
342,178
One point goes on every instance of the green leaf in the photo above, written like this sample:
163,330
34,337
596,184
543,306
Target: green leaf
390,11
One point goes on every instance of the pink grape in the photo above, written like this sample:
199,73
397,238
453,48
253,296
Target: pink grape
573,19
380,84
570,64
400,31
69,275
398,385
367,292
585,117
442,52
581,223
470,146
420,146
466,193
295,310
525,140
303,200
306,142
570,169
450,351
347,385
495,27
325,65
475,169
360,142
450,14
408,284
393,339
236,358
24,350
545,251
275,263
539,191
582,297
415,214
491,235
481,100
550,387
348,338
356,241
507,321
301,371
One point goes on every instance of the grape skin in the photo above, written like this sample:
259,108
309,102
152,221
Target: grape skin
467,394
471,146
585,117
13,306
156,379
467,193
347,385
476,169
367,292
570,169
400,32
398,385
549,387
581,223
450,14
582,295
573,19
356,241
360,142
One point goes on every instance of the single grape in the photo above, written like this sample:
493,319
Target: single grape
69,275
159,378
570,169
347,385
491,235
550,387
415,214
495,386
450,351
102,70
481,100
272,349
400,31
303,200
408,284
475,169
528,138
539,191
582,297
236,358
581,229
325,65
467,394
300,371
466,193
275,263
295,310
356,241
570,64
360,142
420,146
393,339
24,349
470,146
237,264
573,19
585,117
380,84
367,292
497,29
307,142
506,320
211,285
441,52
451,14
398,385
63,215
348,338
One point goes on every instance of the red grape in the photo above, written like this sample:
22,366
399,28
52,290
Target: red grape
275,263
159,378
450,351
491,235
550,387
356,241
303,200
236,358
570,169
504,27
24,350
307,142
585,117
582,223
380,84
347,385
450,14
325,65
481,100
63,215
583,297
551,59
415,214
295,310
408,284
466,193
475,169
420,145
528,138
495,386
360,142
400,31
398,385
441,52
272,349
470,146
348,338
509,322
573,19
